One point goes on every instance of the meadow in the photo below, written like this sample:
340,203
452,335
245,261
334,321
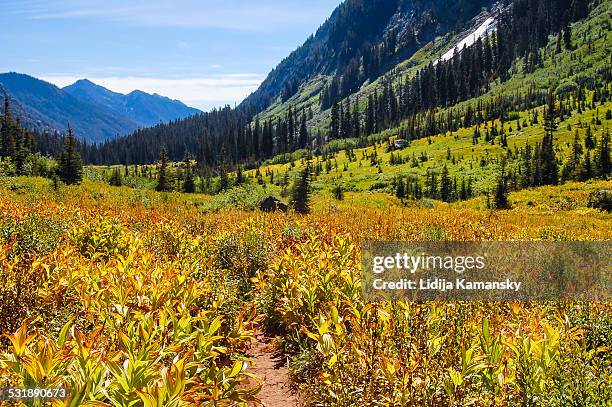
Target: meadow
125,296
370,171
133,297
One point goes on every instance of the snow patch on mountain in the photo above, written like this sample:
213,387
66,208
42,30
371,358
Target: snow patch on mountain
488,26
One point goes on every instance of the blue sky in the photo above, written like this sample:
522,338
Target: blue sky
203,52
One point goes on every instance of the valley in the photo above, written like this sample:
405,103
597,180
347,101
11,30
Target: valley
215,258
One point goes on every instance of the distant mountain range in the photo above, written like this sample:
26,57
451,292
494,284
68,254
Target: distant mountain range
95,113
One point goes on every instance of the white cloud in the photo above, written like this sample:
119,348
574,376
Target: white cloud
202,93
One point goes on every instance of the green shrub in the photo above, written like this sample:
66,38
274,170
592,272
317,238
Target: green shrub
245,197
101,238
242,253
7,167
33,234
38,166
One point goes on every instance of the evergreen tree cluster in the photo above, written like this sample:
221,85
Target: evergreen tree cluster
16,142
436,186
521,31
70,165
26,152
216,137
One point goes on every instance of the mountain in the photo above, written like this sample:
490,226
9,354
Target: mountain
45,102
353,43
141,107
360,41
95,113
410,69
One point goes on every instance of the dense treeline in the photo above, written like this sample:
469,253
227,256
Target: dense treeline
213,136
26,152
219,137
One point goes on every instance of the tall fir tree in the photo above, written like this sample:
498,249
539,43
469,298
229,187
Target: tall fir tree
589,140
70,167
445,185
24,144
549,165
188,175
567,37
7,132
300,197
334,125
303,137
586,170
240,176
603,165
400,189
163,178
500,199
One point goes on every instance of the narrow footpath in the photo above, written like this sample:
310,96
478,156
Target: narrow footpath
271,368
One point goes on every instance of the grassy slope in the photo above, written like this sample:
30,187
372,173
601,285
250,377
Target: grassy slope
557,68
361,176
308,95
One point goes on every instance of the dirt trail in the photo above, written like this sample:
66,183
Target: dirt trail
271,368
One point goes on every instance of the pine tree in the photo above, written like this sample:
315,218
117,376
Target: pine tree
589,140
224,180
70,167
445,185
400,189
501,191
303,137
300,199
558,47
567,37
369,124
586,171
432,185
548,159
188,175
334,125
240,176
356,124
22,147
604,166
464,193
7,139
569,171
163,179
